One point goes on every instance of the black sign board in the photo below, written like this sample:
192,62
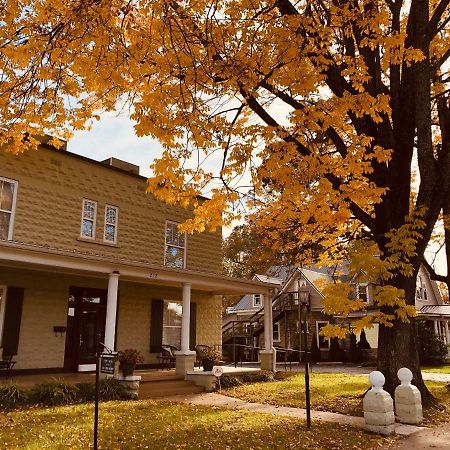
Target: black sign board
107,363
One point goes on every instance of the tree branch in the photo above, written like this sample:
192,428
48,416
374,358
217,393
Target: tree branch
433,24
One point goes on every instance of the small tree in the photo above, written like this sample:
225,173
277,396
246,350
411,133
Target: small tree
336,353
363,343
432,349
355,355
314,350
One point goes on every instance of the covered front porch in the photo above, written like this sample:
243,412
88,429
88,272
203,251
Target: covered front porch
63,301
437,317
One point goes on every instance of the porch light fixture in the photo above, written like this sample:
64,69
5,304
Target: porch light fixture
304,307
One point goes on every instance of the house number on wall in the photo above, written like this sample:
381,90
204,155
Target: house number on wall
153,275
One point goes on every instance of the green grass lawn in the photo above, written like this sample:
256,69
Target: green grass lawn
436,369
330,392
159,425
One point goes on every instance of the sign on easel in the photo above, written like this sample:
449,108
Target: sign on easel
107,363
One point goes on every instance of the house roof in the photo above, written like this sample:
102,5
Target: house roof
268,279
46,258
280,275
435,310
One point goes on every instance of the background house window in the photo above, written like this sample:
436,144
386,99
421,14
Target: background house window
362,292
88,218
8,193
111,220
322,342
257,300
276,332
172,323
421,291
175,252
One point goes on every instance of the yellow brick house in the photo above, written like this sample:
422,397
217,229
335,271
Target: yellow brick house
85,251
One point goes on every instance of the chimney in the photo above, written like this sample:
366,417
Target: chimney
123,165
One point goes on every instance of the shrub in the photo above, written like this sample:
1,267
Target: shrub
11,396
355,354
111,389
228,381
263,376
108,389
86,392
432,349
53,393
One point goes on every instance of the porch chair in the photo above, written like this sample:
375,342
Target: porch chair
167,357
6,365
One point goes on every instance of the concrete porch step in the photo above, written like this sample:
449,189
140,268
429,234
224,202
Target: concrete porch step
150,377
166,388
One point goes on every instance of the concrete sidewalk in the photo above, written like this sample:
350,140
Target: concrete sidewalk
222,401
430,438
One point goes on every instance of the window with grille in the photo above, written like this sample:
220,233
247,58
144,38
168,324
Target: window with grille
88,219
8,193
111,223
175,251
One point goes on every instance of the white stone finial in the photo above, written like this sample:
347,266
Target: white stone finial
405,376
377,380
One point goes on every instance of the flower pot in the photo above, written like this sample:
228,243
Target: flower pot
207,365
127,369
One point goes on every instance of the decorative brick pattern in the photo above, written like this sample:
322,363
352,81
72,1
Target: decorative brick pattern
52,185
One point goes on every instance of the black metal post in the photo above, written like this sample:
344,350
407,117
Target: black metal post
306,360
97,380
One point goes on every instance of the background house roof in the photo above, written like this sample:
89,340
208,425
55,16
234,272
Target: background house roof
439,310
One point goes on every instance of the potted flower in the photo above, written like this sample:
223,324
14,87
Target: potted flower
209,358
128,359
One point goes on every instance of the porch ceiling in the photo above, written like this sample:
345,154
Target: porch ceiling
33,257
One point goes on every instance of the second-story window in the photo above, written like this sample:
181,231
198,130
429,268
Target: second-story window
257,300
362,292
421,290
8,193
111,221
175,251
88,218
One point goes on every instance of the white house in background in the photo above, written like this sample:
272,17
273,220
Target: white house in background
429,305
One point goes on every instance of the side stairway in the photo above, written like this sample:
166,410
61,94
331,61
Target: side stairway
165,384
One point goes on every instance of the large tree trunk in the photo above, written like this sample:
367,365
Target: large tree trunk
397,346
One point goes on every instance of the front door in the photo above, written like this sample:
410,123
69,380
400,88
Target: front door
86,315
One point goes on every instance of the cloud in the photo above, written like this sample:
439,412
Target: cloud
114,136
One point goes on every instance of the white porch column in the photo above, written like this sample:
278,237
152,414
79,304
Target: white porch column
447,337
185,358
267,355
111,310
268,336
436,328
186,317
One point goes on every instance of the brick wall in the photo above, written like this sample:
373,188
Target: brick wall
52,185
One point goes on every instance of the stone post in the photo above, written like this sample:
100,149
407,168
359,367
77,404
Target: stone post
131,385
408,401
378,407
